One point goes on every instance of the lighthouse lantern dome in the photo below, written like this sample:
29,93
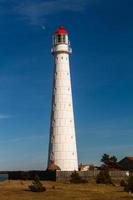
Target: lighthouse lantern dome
61,36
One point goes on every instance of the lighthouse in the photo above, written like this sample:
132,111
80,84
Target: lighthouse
62,141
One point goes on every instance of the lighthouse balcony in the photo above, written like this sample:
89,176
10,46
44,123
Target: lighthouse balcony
61,49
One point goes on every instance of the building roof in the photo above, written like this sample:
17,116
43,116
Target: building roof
126,163
61,31
126,158
130,158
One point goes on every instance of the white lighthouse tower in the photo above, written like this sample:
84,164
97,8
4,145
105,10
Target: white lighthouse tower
62,142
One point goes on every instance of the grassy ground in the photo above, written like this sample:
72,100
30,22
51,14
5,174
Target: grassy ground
18,190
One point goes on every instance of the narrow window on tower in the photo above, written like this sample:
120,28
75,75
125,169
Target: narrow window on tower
64,39
59,38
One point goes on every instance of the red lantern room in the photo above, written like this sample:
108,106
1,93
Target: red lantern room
61,31
61,36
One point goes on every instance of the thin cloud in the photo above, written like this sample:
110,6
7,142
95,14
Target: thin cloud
35,12
4,116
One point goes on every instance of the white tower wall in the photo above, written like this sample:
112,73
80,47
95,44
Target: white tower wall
62,144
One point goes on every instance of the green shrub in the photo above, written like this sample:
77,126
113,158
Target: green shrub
37,185
103,177
75,178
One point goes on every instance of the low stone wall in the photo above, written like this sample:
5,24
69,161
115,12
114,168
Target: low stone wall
118,174
59,176
64,176
30,175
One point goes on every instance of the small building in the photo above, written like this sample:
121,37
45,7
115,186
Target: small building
126,163
86,167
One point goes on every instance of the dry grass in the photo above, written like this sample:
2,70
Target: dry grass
17,190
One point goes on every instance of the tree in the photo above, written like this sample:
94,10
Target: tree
37,185
109,161
105,159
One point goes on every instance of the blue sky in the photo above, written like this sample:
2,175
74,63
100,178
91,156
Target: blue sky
101,35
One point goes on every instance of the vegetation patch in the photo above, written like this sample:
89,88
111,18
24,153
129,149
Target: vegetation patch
128,184
37,185
103,177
